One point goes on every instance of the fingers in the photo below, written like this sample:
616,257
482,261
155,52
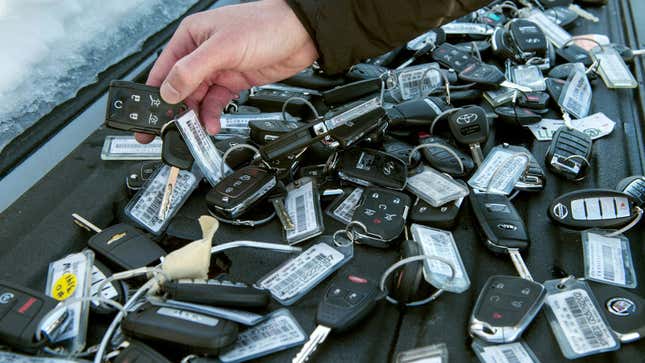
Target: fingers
179,45
143,138
211,108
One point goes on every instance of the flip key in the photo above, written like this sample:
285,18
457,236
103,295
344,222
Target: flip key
442,157
369,167
488,76
240,191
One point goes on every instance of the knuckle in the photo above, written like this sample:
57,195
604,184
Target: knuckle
181,74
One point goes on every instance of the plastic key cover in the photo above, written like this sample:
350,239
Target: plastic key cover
174,151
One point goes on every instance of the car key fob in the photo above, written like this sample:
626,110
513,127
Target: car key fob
138,174
635,187
562,71
137,351
499,223
528,39
569,153
217,293
272,100
534,100
451,56
264,131
443,217
440,158
562,16
593,208
554,87
196,332
383,213
351,91
369,167
624,310
174,151
126,247
517,116
311,79
240,191
574,54
505,307
417,112
138,108
363,71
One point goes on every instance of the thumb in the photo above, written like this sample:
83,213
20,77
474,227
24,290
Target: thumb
190,71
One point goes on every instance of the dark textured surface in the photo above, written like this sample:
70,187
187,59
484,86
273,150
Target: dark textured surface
38,229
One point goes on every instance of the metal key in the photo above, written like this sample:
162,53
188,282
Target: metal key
583,13
347,301
174,152
470,126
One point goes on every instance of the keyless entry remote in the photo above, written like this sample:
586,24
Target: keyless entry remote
624,310
635,187
505,307
136,107
442,157
593,208
453,57
368,167
240,191
217,293
383,212
569,153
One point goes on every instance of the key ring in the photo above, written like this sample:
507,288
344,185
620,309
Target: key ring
405,261
241,146
348,233
240,222
444,147
580,157
296,98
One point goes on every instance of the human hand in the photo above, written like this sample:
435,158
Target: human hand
215,54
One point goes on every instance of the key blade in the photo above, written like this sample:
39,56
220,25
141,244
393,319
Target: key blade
317,337
283,216
85,224
519,264
519,87
583,13
167,196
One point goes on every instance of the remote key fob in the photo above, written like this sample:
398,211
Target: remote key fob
443,217
362,71
624,310
383,213
500,224
505,307
593,208
517,116
441,156
451,56
635,187
137,352
264,131
138,108
240,191
217,293
569,153
369,167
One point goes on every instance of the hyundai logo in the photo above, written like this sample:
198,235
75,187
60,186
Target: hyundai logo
560,211
467,118
507,227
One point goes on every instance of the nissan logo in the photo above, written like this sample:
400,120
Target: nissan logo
560,211
467,118
507,227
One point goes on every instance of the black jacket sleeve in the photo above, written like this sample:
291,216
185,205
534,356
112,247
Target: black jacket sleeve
346,31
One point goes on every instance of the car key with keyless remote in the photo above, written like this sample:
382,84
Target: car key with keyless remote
139,108
488,76
351,91
362,71
517,116
624,310
441,155
271,100
527,38
569,153
501,227
125,246
575,54
453,57
176,154
383,213
635,187
562,16
416,112
264,131
21,313
505,307
138,175
369,167
240,191
347,301
217,292
444,216
534,100
593,208
469,125
137,351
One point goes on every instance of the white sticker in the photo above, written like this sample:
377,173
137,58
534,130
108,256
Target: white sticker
552,31
201,147
240,122
417,82
613,70
129,145
146,209
467,28
302,272
435,188
108,291
606,257
529,76
280,331
596,126
500,171
345,210
353,113
576,95
300,205
188,316
581,323
505,353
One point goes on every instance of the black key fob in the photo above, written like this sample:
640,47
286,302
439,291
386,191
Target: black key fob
174,151
562,16
534,100
369,167
138,174
351,91
240,191
265,131
500,225
126,247
443,217
440,158
272,100
517,116
217,293
635,187
624,310
383,212
528,39
138,108
418,112
453,57
574,54
569,154
363,71
311,79
592,208
137,352
554,87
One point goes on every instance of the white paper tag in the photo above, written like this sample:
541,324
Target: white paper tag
345,210
505,353
596,126
419,81
300,206
466,28
240,122
576,95
553,32
529,76
435,188
146,209
280,331
505,166
581,323
108,292
124,145
302,272
606,256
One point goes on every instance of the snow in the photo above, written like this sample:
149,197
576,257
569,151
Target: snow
53,48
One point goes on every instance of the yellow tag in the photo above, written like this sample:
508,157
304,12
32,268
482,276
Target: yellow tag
64,287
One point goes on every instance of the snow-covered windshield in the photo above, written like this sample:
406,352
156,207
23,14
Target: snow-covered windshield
52,48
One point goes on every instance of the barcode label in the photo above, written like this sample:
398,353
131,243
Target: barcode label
466,28
303,272
146,208
108,291
505,353
201,147
128,148
576,98
506,167
280,331
414,83
435,188
300,205
353,113
581,323
241,121
552,31
345,210
440,244
606,257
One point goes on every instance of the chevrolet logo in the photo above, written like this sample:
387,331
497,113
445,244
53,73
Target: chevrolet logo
116,237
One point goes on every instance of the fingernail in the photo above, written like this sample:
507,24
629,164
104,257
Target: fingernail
169,93
236,96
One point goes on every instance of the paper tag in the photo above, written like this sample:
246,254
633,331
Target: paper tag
303,272
8,357
467,28
345,210
436,353
239,123
576,95
583,327
280,331
500,171
439,243
300,205
435,188
125,147
552,31
529,76
612,68
608,259
144,209
505,353
418,81
201,147
596,126
108,292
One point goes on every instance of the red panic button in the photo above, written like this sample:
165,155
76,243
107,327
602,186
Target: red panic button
27,305
356,279
497,316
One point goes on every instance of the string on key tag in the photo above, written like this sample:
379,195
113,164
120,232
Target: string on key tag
629,226
305,101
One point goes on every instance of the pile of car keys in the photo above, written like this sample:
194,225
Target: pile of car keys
391,150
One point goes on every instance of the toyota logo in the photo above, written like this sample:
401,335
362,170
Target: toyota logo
467,118
560,211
